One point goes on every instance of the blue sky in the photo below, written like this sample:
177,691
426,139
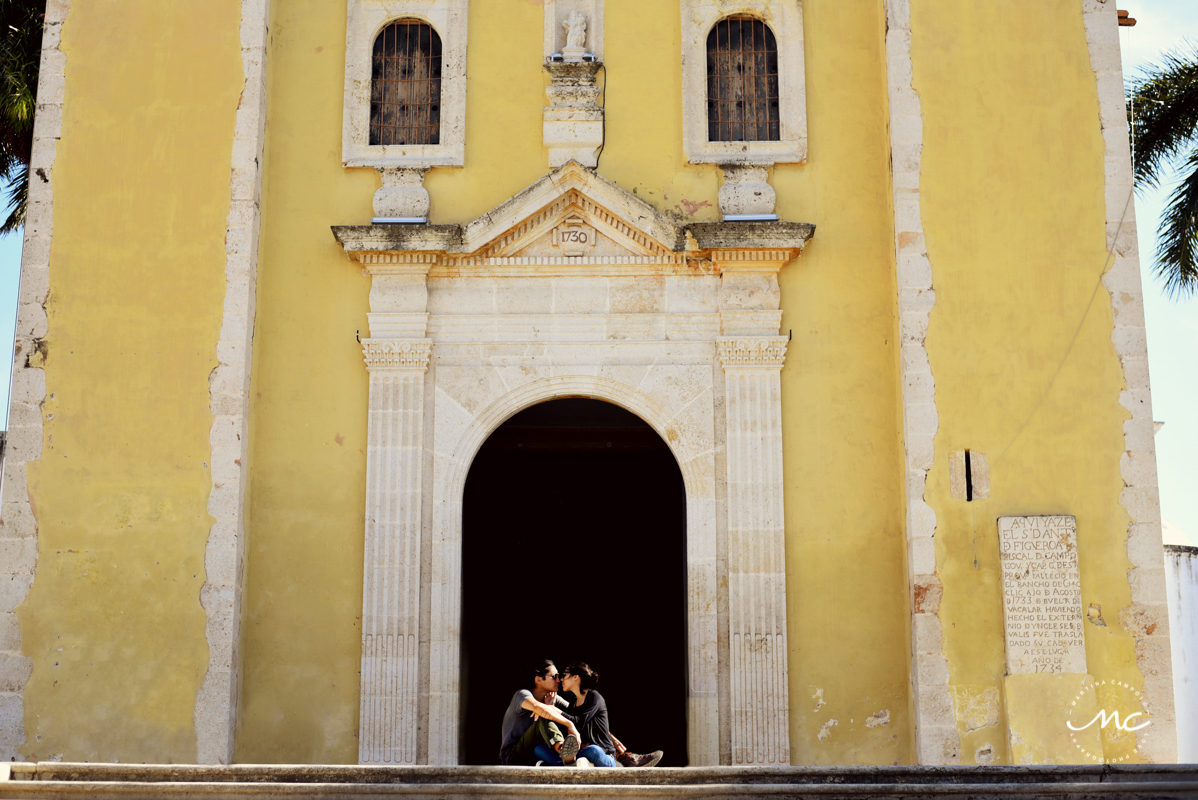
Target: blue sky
1172,324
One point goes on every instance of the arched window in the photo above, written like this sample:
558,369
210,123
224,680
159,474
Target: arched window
742,82
405,84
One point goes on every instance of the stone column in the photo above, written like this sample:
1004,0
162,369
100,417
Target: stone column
756,549
391,595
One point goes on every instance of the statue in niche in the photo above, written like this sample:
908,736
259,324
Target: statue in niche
576,36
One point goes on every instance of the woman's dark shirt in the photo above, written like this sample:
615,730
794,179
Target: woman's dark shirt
591,720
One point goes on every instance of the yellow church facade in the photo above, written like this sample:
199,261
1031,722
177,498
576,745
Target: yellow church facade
784,359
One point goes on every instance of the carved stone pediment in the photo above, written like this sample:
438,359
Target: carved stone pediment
571,216
575,226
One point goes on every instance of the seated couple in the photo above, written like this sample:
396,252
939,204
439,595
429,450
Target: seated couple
540,727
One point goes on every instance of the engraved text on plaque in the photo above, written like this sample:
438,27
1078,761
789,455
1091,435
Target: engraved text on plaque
1042,604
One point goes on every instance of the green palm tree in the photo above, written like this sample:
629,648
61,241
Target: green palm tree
1163,114
20,55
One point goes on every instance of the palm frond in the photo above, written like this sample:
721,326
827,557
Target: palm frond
1165,118
21,23
1177,251
18,199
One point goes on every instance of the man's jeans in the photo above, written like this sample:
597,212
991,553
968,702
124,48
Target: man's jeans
591,752
542,733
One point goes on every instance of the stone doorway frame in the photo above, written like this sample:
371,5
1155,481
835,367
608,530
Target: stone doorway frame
699,480
574,287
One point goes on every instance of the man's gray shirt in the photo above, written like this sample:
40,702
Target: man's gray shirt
517,720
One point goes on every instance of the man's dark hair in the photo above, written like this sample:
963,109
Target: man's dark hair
541,667
587,677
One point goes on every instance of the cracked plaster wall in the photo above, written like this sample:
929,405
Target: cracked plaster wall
18,527
1018,215
109,473
229,389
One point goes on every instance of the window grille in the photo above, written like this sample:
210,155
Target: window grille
742,82
405,85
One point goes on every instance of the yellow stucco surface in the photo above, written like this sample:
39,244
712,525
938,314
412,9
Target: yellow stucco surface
113,621
1014,212
847,584
1039,708
846,574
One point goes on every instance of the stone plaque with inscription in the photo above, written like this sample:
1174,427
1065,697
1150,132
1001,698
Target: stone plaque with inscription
1042,602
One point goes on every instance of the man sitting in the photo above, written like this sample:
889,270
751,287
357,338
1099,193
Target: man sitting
534,718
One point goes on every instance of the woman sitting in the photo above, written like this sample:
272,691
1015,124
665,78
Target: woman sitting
589,714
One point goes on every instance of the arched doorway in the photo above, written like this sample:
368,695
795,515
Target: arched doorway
591,492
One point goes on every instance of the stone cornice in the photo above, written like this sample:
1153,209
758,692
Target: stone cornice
751,235
730,243
639,231
423,239
397,353
752,351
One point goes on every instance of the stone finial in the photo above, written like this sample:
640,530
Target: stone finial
402,195
746,191
576,36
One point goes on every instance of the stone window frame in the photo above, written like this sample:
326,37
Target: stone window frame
785,19
365,20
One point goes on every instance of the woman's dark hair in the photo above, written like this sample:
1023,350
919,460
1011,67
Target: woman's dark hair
541,667
587,677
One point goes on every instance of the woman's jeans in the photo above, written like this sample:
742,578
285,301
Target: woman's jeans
591,752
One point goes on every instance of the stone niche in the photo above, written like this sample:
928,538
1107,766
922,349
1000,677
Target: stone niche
572,129
574,288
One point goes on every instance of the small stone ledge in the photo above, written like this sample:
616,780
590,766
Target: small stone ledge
750,235
392,238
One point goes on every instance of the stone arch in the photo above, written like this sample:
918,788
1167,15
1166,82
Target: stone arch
555,388
698,475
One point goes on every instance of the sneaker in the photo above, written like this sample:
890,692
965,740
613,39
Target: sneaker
539,763
582,762
634,760
570,748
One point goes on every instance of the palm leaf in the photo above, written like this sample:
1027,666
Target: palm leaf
1165,105
1163,118
21,23
1177,251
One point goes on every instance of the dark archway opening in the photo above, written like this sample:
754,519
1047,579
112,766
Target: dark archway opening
589,492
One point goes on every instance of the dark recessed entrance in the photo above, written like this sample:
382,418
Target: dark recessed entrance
574,546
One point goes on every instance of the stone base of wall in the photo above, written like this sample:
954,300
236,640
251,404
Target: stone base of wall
827,783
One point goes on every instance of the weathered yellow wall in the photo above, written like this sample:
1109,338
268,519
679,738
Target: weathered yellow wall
304,560
113,620
847,589
847,580
1013,206
1013,209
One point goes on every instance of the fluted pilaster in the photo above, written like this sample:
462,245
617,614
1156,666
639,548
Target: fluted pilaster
756,563
390,609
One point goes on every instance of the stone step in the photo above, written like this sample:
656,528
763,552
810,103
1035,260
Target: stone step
132,782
